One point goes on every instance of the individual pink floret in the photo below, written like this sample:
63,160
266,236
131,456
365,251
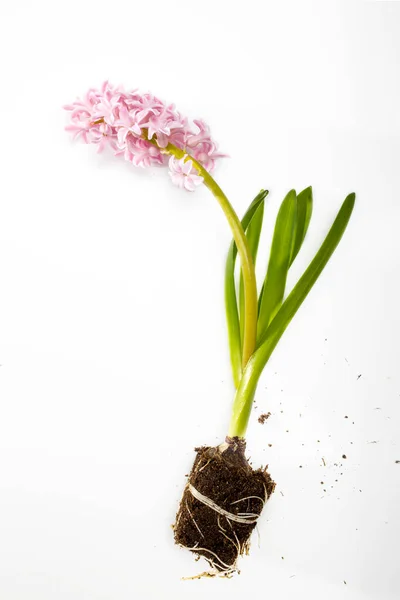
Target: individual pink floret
183,173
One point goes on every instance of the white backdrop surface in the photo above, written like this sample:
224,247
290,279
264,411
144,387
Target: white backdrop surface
113,351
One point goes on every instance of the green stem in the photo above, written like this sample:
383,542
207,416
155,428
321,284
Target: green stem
247,264
248,384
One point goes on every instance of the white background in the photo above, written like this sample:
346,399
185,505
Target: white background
113,350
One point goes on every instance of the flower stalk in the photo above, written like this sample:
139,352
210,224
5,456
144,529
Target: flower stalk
247,264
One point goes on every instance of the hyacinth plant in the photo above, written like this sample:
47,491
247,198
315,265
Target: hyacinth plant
223,496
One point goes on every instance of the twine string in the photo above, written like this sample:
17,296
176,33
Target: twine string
249,519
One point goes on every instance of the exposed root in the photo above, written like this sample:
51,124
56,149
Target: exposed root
191,516
223,569
204,466
236,544
248,498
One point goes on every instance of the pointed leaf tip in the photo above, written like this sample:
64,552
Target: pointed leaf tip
304,212
273,288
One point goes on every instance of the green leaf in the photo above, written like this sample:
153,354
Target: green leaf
303,286
304,212
279,262
253,232
231,309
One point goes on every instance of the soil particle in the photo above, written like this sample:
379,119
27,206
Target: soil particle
344,456
223,476
262,418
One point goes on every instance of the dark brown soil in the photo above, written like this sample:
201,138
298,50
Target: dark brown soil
262,418
224,476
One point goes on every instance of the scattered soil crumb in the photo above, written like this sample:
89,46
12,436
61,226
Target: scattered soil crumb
262,418
359,376
344,456
270,445
397,462
374,442
323,460
346,417
345,582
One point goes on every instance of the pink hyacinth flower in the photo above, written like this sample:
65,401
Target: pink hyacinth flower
184,174
126,121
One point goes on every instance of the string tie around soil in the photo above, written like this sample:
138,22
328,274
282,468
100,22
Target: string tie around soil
249,519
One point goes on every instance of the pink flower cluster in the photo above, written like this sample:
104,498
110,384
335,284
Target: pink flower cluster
126,121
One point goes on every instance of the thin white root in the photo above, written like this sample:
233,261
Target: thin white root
248,498
204,466
200,575
245,518
258,536
193,519
236,545
226,568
